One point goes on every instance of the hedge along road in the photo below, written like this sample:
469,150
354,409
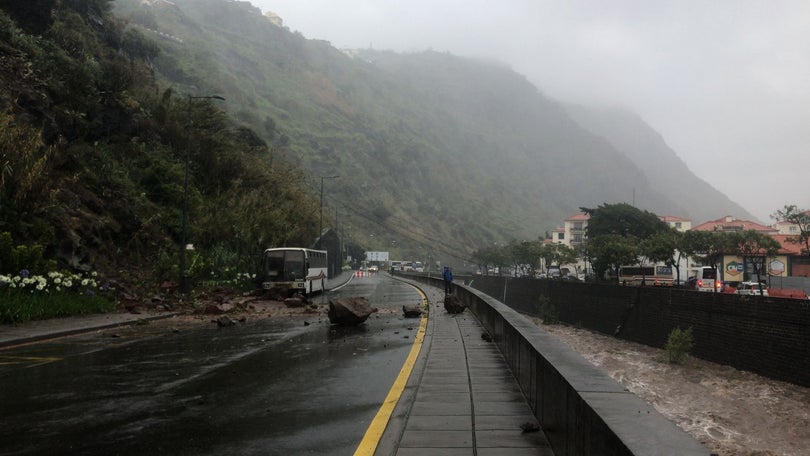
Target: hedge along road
266,387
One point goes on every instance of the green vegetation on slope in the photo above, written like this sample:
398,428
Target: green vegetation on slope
93,155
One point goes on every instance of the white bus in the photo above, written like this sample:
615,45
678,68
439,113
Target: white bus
295,269
652,276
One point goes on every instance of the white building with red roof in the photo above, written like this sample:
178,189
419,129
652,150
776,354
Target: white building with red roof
729,223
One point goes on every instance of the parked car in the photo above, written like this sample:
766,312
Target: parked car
751,288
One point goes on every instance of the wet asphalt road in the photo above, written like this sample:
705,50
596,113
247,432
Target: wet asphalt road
263,387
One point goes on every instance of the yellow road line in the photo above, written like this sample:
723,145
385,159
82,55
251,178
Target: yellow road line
375,430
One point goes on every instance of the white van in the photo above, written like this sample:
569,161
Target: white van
706,279
752,288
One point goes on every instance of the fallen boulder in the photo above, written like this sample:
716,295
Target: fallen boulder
224,320
453,305
411,311
349,311
294,302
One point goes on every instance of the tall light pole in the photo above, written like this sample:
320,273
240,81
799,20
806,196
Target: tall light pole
184,242
320,226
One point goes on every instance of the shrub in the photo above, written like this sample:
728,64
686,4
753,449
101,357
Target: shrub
547,311
27,297
679,344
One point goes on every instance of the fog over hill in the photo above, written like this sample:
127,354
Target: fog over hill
693,197
434,151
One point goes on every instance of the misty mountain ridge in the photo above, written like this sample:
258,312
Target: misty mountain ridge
433,150
632,136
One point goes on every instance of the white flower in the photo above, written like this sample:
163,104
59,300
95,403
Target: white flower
57,280
84,282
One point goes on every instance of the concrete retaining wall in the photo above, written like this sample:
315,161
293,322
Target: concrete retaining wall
582,410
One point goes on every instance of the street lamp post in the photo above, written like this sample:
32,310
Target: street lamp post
184,288
320,226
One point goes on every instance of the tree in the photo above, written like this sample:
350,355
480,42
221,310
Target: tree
490,257
801,217
621,227
665,247
705,246
557,254
525,253
624,220
611,251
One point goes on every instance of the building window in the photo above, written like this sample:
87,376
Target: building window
560,235
678,225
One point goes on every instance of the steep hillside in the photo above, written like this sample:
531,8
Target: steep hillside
435,153
103,169
693,197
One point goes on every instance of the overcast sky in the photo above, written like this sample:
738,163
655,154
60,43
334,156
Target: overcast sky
726,82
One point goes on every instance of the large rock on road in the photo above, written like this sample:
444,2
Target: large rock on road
349,311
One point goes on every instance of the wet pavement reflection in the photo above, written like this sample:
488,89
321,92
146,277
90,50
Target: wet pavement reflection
262,387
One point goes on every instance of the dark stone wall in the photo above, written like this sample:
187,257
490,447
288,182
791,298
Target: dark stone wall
769,336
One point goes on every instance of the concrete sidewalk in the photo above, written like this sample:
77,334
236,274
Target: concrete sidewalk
33,331
461,398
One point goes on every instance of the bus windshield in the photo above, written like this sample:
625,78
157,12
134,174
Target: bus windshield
284,265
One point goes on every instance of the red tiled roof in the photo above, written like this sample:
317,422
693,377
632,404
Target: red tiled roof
576,217
788,248
728,224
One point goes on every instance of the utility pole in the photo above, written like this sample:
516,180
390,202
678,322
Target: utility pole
320,226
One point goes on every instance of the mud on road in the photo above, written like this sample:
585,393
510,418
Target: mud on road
730,411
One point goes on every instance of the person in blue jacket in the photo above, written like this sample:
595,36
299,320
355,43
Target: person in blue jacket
447,274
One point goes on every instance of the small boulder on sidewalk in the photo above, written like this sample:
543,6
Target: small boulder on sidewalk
453,305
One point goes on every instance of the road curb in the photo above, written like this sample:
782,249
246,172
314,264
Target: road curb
78,329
